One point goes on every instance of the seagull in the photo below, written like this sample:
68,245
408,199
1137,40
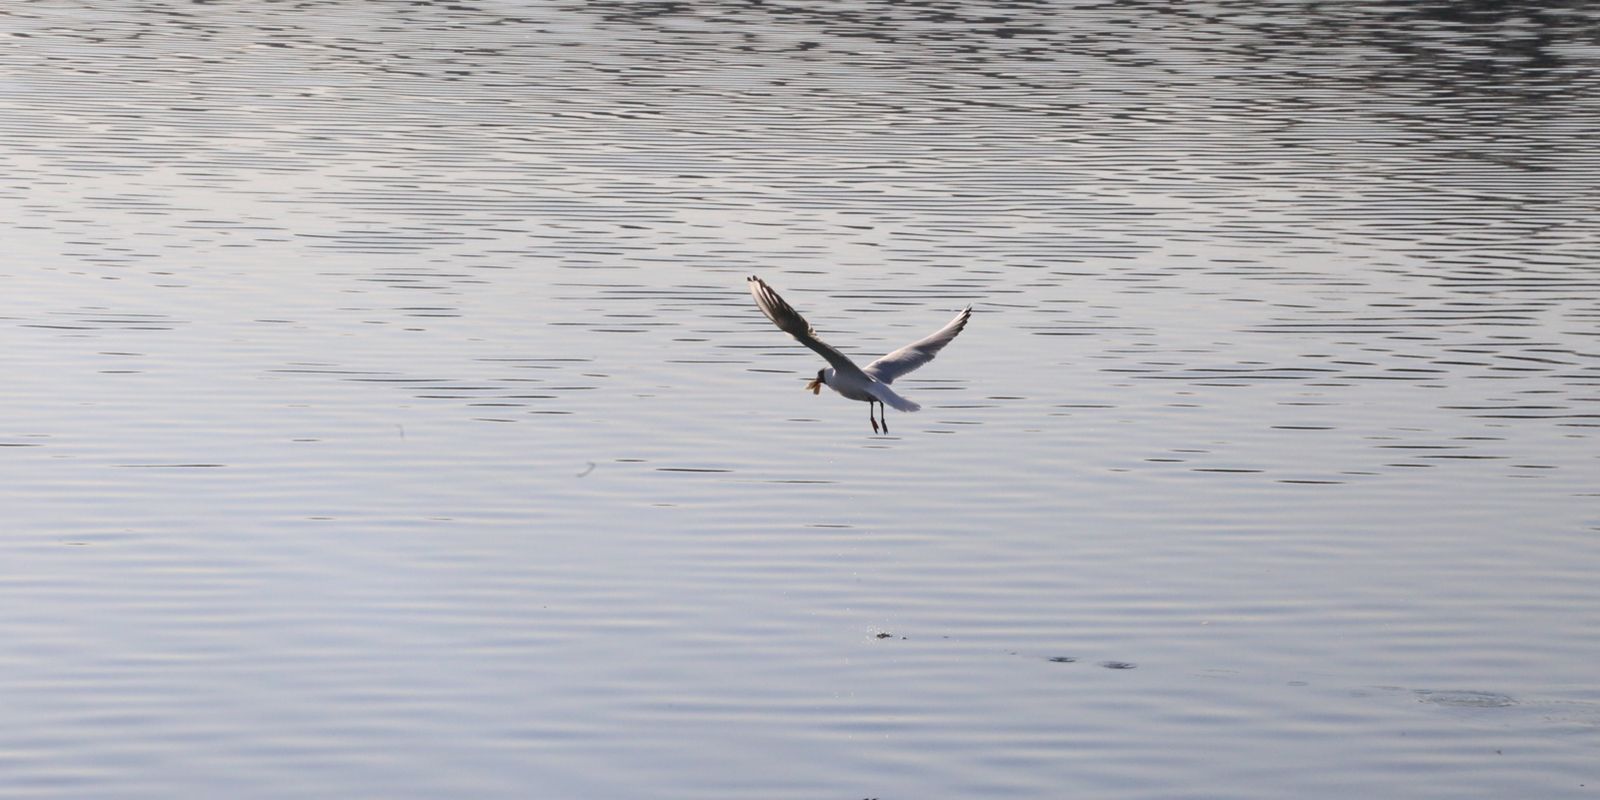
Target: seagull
870,384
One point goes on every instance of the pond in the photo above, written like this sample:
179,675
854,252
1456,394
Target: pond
386,414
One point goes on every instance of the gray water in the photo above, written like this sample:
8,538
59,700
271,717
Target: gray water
384,413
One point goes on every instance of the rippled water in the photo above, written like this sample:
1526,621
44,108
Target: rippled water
385,415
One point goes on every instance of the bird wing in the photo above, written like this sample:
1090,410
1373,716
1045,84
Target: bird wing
789,321
917,353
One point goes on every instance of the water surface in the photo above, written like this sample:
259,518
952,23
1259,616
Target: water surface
385,414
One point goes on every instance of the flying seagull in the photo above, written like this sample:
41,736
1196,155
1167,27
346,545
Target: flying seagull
870,384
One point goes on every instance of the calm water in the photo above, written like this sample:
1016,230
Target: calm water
385,415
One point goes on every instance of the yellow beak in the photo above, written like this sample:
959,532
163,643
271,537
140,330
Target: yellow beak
815,386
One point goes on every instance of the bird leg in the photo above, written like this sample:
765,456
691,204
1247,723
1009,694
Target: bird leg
883,413
872,419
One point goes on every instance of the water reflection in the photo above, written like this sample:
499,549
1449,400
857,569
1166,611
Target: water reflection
386,411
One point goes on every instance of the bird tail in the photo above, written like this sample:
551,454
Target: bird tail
889,398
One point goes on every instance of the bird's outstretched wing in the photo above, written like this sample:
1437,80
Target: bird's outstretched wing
917,353
789,321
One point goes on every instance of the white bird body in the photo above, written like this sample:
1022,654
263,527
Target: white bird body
870,384
860,385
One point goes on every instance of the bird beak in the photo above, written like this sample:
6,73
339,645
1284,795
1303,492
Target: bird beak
815,386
